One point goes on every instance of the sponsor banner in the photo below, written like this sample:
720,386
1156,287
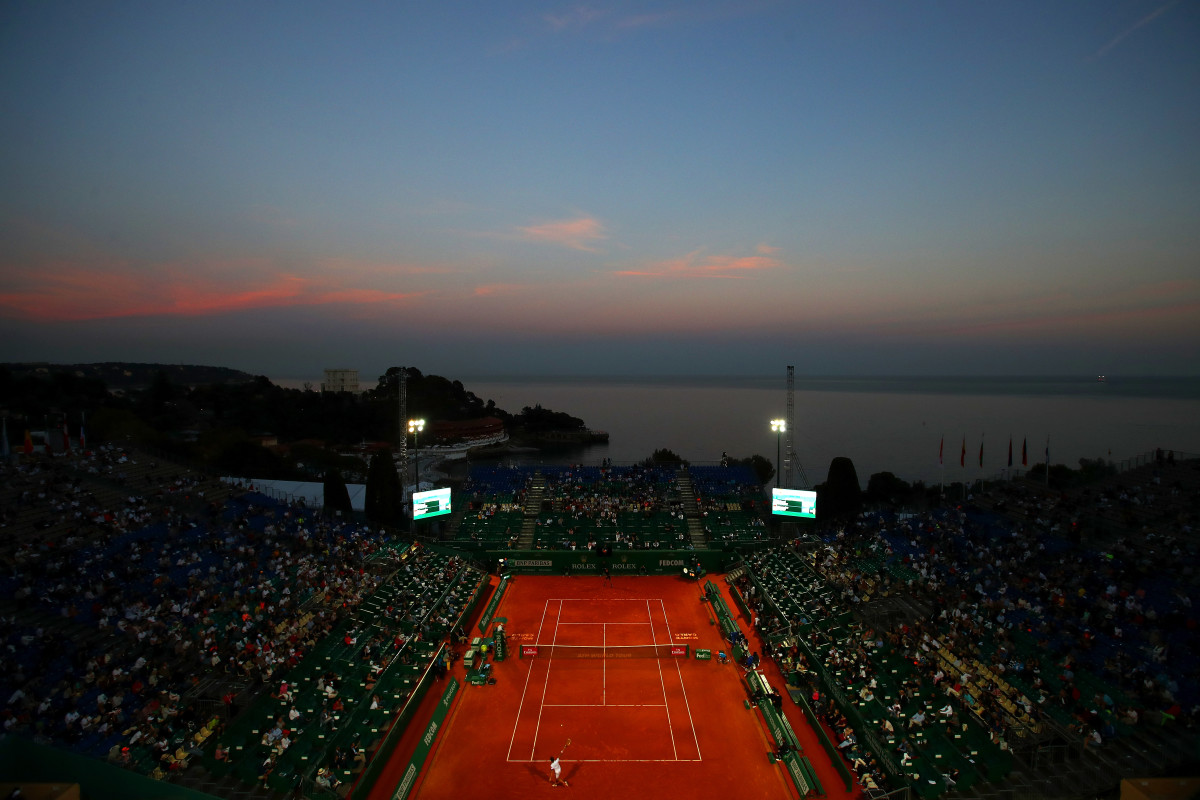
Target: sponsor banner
426,743
490,610
528,650
793,764
531,562
679,650
406,784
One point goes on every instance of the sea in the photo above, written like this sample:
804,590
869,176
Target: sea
919,428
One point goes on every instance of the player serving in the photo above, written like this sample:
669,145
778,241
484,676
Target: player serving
556,768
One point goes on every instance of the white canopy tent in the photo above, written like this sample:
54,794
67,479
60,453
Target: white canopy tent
312,493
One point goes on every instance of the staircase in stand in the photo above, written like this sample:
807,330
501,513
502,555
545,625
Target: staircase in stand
533,507
691,509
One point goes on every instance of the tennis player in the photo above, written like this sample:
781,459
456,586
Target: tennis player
556,772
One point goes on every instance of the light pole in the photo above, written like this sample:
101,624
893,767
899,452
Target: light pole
415,426
779,426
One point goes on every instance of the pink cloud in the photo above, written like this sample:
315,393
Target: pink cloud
578,17
648,20
71,293
1160,304
578,234
696,265
490,289
1146,20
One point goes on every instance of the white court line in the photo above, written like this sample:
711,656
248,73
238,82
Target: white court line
604,600
606,705
517,721
520,709
607,761
670,728
604,662
682,688
545,685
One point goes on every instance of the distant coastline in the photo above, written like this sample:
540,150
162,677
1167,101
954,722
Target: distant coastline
1181,387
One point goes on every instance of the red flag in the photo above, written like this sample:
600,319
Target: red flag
1010,451
981,452
28,443
941,445
1024,452
66,439
962,459
82,440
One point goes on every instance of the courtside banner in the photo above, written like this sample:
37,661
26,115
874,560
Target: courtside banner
792,762
490,611
679,650
425,744
529,650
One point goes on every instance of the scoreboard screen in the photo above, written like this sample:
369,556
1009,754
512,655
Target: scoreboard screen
431,504
794,503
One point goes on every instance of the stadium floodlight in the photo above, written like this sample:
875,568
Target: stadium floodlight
415,426
779,426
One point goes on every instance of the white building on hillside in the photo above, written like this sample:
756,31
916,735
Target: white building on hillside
340,380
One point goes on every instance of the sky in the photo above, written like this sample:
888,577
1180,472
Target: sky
538,188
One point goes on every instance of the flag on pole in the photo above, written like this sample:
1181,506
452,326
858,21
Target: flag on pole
82,440
962,458
46,436
1010,451
981,452
941,447
1024,452
4,451
1047,461
66,438
28,443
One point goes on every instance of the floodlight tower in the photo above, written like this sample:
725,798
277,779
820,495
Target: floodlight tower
779,427
790,462
401,430
415,426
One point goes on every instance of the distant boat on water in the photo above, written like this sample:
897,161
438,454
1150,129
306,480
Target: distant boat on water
1101,379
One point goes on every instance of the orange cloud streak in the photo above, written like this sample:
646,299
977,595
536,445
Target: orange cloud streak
578,234
72,294
693,265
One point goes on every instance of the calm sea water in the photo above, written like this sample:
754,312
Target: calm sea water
883,424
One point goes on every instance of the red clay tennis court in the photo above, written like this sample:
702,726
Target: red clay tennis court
609,669
640,723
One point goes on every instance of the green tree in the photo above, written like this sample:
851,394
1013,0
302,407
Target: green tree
762,466
248,459
884,488
841,495
337,496
664,456
385,495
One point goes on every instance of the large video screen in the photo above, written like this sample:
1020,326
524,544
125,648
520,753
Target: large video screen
431,504
794,503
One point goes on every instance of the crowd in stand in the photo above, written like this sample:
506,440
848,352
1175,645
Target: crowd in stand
126,595
729,499
632,507
1123,614
1025,628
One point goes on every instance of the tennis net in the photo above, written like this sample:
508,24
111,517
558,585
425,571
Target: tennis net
604,652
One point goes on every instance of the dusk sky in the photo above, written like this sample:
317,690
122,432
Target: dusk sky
495,188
